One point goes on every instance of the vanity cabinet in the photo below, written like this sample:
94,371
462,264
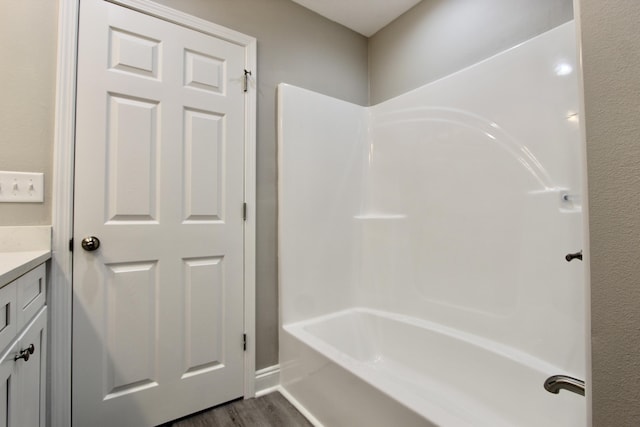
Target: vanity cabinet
23,344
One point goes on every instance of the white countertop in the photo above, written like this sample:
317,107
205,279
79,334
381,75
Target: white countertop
15,264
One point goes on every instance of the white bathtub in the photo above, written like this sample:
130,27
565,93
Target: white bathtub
437,375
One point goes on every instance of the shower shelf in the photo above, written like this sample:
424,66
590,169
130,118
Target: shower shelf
380,216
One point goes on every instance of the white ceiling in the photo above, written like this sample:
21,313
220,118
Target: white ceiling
364,16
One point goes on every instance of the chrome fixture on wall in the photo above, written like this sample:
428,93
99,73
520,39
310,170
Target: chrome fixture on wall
570,257
556,383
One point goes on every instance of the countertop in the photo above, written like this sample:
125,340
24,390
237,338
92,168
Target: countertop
15,264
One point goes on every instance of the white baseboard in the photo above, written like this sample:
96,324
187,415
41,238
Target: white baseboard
267,380
313,420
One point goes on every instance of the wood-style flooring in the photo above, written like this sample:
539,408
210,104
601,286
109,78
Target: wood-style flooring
271,410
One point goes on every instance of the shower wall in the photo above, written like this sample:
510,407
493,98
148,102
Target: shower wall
454,203
319,182
475,182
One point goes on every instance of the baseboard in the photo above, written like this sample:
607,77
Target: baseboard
313,420
267,380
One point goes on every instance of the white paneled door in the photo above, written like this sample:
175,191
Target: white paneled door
159,182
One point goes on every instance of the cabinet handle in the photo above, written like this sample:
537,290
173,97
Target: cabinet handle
26,353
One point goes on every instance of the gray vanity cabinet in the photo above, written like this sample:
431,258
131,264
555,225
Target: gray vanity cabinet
23,357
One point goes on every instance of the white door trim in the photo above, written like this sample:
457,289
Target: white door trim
60,289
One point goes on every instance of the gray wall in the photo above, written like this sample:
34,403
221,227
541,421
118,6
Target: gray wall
299,47
28,34
611,68
438,37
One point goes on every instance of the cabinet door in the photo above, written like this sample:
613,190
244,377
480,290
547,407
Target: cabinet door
31,374
7,388
8,322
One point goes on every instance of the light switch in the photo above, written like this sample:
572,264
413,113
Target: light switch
21,187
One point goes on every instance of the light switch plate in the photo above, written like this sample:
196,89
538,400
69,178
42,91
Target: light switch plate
21,187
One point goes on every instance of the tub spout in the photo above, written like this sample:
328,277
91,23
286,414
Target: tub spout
555,383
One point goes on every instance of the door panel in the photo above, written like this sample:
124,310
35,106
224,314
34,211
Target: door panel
203,142
204,341
132,159
158,307
130,327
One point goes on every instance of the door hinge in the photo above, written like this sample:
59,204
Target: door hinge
244,342
244,211
71,244
247,73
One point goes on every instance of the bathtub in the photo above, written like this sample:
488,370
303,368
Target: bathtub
434,375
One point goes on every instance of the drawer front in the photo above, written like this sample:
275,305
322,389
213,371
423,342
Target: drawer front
31,289
8,314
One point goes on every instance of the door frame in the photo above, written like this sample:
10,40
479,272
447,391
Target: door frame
60,296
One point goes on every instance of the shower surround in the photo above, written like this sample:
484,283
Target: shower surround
422,244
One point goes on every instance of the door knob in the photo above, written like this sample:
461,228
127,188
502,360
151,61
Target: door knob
90,243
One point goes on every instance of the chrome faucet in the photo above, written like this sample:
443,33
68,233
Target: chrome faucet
555,383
